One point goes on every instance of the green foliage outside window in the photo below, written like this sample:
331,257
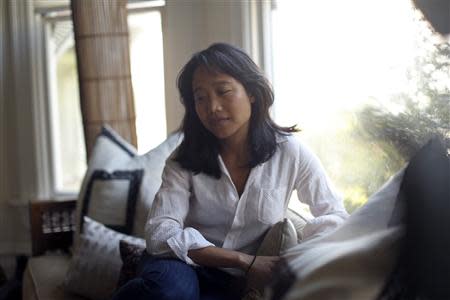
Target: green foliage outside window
423,111
363,148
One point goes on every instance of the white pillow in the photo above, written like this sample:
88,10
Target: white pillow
119,185
95,266
364,246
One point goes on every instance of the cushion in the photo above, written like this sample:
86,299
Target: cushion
119,185
130,253
3,278
354,261
95,265
337,264
277,240
424,194
298,221
44,277
111,198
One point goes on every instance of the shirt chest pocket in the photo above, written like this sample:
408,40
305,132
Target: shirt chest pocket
271,204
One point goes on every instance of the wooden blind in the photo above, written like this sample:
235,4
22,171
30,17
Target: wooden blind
101,42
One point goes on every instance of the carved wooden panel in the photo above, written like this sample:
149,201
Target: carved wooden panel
52,225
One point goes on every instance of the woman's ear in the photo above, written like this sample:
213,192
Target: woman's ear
252,99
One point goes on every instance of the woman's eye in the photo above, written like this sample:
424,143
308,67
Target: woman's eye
223,92
198,99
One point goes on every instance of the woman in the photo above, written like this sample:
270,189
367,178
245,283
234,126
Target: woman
227,183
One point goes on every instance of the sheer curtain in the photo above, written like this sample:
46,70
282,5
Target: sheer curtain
15,188
3,124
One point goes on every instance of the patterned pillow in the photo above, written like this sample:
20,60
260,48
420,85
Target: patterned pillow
130,253
95,266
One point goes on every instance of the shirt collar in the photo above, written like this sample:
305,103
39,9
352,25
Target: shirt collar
279,138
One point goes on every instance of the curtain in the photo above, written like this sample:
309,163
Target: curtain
103,60
14,191
3,123
11,184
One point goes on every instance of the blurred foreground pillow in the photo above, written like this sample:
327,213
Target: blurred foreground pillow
355,260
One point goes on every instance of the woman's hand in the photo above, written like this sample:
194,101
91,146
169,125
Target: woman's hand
220,258
261,271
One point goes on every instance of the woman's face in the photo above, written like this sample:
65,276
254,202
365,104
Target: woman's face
222,104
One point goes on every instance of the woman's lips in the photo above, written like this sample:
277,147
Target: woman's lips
218,121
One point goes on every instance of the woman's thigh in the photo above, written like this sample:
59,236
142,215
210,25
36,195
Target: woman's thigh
163,279
169,278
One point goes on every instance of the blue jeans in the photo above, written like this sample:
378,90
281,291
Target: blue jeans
167,279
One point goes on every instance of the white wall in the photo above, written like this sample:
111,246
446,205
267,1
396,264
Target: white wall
190,26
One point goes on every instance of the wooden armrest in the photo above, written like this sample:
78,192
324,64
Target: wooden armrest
52,225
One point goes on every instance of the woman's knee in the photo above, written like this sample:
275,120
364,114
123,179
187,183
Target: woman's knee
134,289
170,279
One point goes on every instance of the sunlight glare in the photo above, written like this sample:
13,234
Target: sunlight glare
334,55
147,72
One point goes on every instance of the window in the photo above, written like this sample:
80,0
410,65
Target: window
147,71
146,54
69,156
358,77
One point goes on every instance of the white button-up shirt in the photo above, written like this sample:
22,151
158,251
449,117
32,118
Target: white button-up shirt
195,211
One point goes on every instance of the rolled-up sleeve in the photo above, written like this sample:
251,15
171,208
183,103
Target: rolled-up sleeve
315,189
164,231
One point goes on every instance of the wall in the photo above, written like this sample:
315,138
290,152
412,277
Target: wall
190,26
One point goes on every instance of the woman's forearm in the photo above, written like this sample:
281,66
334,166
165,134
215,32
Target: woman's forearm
220,258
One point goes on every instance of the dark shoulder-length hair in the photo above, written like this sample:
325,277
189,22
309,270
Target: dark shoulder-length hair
199,150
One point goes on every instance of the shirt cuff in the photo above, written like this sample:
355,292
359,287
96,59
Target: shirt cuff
321,225
188,239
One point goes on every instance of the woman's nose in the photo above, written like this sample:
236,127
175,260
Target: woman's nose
215,104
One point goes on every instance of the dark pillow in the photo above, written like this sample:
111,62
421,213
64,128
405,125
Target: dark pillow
423,267
426,189
130,254
3,278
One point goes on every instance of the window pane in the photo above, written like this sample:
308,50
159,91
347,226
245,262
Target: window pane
69,149
147,71
366,81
